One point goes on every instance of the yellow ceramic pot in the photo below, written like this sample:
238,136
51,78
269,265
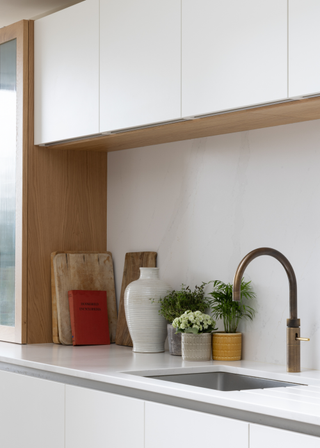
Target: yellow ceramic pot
226,346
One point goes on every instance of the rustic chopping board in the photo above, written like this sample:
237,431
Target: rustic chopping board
80,270
133,261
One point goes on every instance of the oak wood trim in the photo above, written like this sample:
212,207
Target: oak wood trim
66,212
28,124
27,157
224,123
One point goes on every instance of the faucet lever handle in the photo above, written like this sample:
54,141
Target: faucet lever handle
302,339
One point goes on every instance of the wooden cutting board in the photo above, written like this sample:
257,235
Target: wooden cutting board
133,261
80,270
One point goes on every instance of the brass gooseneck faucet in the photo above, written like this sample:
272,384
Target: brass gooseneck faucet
293,323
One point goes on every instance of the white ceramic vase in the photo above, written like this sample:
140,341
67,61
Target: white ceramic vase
148,330
196,347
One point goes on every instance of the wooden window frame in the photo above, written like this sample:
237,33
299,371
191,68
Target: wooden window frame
20,32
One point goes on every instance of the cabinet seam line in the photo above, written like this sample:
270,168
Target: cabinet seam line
181,58
144,424
65,416
99,66
288,49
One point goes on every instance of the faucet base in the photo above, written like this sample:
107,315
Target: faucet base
293,349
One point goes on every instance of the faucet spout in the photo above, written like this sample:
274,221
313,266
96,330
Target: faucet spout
293,323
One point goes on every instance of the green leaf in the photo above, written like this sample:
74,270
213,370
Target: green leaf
191,330
224,308
175,303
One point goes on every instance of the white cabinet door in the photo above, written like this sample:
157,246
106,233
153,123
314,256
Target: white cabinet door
168,425
101,420
304,47
234,54
264,437
140,62
31,412
67,73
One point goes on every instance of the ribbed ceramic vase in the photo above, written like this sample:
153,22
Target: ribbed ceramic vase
226,346
148,330
196,347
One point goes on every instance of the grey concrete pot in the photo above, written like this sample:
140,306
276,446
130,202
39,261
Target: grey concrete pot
174,341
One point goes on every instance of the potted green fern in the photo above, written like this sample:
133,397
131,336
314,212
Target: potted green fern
174,304
227,345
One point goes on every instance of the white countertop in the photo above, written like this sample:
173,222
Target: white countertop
113,364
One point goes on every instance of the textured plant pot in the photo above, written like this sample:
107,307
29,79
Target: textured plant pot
174,341
196,347
226,346
148,330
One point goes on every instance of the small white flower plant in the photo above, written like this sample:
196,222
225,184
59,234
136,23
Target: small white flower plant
194,322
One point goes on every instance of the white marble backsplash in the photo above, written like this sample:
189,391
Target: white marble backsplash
204,204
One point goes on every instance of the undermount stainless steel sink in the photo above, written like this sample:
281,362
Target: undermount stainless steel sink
223,381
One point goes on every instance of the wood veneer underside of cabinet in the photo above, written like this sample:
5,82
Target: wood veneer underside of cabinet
67,211
224,123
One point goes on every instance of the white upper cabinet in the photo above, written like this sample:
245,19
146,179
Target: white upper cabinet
107,65
234,54
140,57
67,73
304,47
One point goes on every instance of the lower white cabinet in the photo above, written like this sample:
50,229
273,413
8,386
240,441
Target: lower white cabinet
100,420
40,413
265,437
167,425
31,412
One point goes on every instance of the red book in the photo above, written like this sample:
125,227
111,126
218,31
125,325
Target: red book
89,317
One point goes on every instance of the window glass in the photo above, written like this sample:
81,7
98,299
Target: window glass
8,142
